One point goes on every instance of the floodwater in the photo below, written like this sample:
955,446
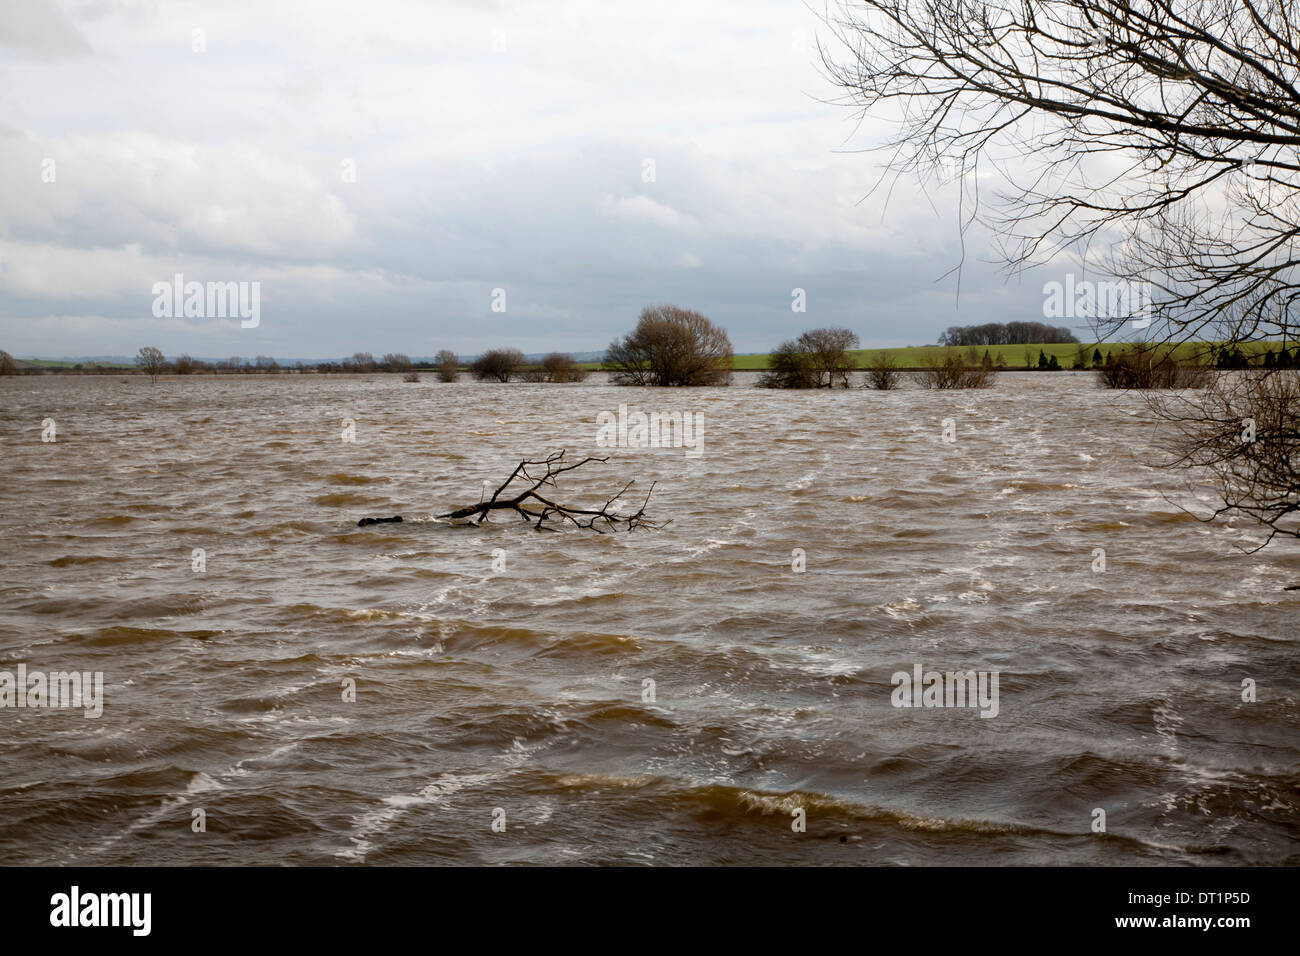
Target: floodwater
673,696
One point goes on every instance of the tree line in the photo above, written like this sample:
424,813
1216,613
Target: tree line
671,346
1007,333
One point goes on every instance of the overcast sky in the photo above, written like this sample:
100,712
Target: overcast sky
495,146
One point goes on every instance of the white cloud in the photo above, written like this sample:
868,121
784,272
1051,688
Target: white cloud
644,209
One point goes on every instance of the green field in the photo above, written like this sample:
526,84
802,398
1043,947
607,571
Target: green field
1016,356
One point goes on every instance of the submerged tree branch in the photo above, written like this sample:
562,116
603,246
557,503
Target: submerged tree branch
524,493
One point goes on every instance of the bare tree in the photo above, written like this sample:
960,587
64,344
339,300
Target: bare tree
448,365
671,346
883,372
396,362
7,366
527,493
151,361
816,359
1244,429
1192,104
498,365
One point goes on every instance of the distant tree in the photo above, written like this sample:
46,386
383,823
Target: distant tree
671,346
498,365
7,366
830,353
1052,364
816,359
448,365
788,366
561,368
151,361
363,362
883,372
397,362
1042,360
956,372
265,363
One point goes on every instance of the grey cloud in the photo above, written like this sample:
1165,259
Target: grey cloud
39,28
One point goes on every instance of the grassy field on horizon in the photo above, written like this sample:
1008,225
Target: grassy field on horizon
1015,356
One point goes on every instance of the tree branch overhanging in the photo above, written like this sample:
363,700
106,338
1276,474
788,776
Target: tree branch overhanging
1166,130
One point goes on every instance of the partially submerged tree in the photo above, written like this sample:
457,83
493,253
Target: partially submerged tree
1244,429
816,359
1151,367
955,372
151,361
530,491
883,372
7,366
360,362
561,368
498,365
448,365
671,346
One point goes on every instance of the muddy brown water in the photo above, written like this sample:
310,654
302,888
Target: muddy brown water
503,673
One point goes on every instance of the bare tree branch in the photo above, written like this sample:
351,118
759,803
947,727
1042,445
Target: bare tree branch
522,493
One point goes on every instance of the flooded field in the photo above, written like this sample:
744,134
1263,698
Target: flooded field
283,687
